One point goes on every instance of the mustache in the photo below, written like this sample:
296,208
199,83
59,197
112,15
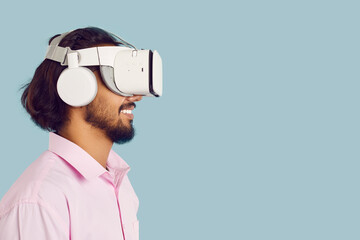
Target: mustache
128,105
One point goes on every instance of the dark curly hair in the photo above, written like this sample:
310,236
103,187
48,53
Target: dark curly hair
40,97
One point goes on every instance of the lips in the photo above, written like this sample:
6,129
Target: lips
127,110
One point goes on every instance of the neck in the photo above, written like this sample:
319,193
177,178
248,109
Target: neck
94,141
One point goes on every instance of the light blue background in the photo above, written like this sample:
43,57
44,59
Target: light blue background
257,134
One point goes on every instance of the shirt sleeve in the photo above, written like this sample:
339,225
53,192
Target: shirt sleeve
29,221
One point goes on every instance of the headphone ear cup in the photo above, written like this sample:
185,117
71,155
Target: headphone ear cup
77,86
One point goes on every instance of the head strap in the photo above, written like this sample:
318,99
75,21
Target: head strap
59,54
55,52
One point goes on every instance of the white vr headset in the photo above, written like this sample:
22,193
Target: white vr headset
125,71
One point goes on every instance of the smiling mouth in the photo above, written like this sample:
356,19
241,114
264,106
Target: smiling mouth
126,110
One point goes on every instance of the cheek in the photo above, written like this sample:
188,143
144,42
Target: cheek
109,100
112,98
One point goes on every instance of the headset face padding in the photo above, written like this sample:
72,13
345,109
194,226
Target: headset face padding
77,86
107,75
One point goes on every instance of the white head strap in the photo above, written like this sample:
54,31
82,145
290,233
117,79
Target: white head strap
55,52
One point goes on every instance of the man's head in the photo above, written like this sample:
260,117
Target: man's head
41,99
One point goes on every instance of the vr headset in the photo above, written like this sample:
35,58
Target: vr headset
125,70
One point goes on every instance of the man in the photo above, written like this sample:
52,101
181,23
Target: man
78,188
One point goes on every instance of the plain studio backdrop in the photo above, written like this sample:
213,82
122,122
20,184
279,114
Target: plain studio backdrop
257,133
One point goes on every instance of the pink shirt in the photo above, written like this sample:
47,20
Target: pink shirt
66,194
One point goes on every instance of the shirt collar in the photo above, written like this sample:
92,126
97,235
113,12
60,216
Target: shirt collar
86,165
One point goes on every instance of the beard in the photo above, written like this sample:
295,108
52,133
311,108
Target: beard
100,116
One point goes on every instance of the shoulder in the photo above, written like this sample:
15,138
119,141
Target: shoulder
43,183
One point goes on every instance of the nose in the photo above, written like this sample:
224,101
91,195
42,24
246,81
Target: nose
135,98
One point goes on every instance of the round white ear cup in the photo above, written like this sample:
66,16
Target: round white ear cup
77,86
